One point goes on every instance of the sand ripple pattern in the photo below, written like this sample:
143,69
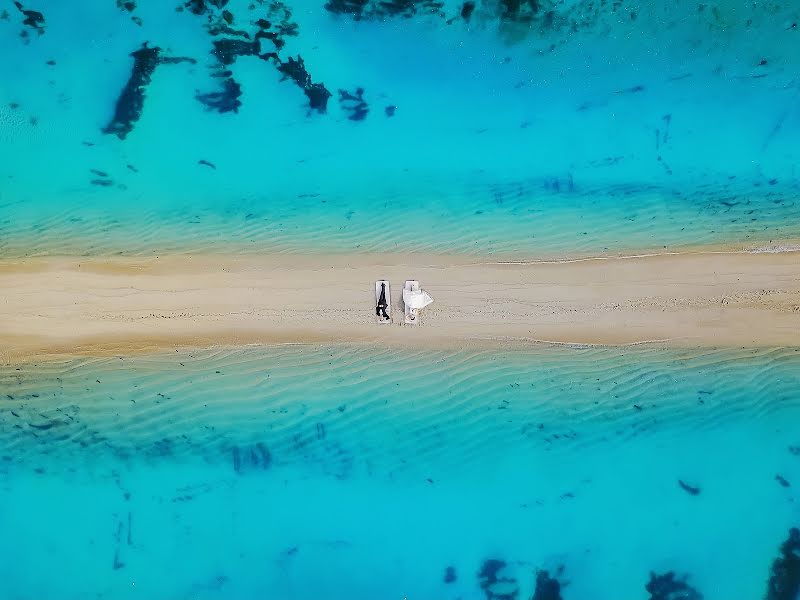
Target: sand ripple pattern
524,218
355,410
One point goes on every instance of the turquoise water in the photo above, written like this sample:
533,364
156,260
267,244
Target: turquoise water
562,128
232,474
299,472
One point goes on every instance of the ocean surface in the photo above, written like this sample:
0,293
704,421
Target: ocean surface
514,129
232,474
522,128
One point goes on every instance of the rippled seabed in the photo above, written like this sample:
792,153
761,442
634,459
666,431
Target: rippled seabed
537,128
232,474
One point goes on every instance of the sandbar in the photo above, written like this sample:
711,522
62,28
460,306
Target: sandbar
114,305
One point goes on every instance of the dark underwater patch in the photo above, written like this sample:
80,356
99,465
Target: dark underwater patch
354,104
670,587
257,457
226,99
382,9
33,18
317,93
128,109
784,574
547,588
693,490
201,7
494,583
467,9
273,28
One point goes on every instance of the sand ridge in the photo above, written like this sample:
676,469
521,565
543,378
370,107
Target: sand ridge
115,305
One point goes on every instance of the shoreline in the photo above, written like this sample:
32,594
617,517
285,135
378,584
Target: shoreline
121,305
520,256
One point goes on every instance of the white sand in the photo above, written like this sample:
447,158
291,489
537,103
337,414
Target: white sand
110,305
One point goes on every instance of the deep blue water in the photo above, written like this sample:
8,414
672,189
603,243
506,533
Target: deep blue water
582,127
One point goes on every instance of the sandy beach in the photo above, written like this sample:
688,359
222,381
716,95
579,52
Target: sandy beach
115,305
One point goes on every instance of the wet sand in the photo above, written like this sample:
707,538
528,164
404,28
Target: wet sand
123,305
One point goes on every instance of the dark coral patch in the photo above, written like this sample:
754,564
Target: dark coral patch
201,7
126,5
467,9
354,104
494,583
228,50
317,94
670,587
130,103
225,100
382,9
547,588
784,576
33,18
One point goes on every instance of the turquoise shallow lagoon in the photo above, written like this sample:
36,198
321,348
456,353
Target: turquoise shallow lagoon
232,474
511,129
547,129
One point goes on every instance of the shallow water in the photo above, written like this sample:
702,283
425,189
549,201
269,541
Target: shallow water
591,128
302,472
232,474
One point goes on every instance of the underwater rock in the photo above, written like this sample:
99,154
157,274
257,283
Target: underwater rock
281,16
795,450
226,100
669,587
201,7
520,11
348,7
317,94
222,27
383,9
33,18
784,578
354,104
449,574
227,50
547,588
130,103
467,9
690,489
494,584
174,60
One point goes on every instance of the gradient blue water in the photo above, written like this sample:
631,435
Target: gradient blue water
600,129
635,127
147,477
